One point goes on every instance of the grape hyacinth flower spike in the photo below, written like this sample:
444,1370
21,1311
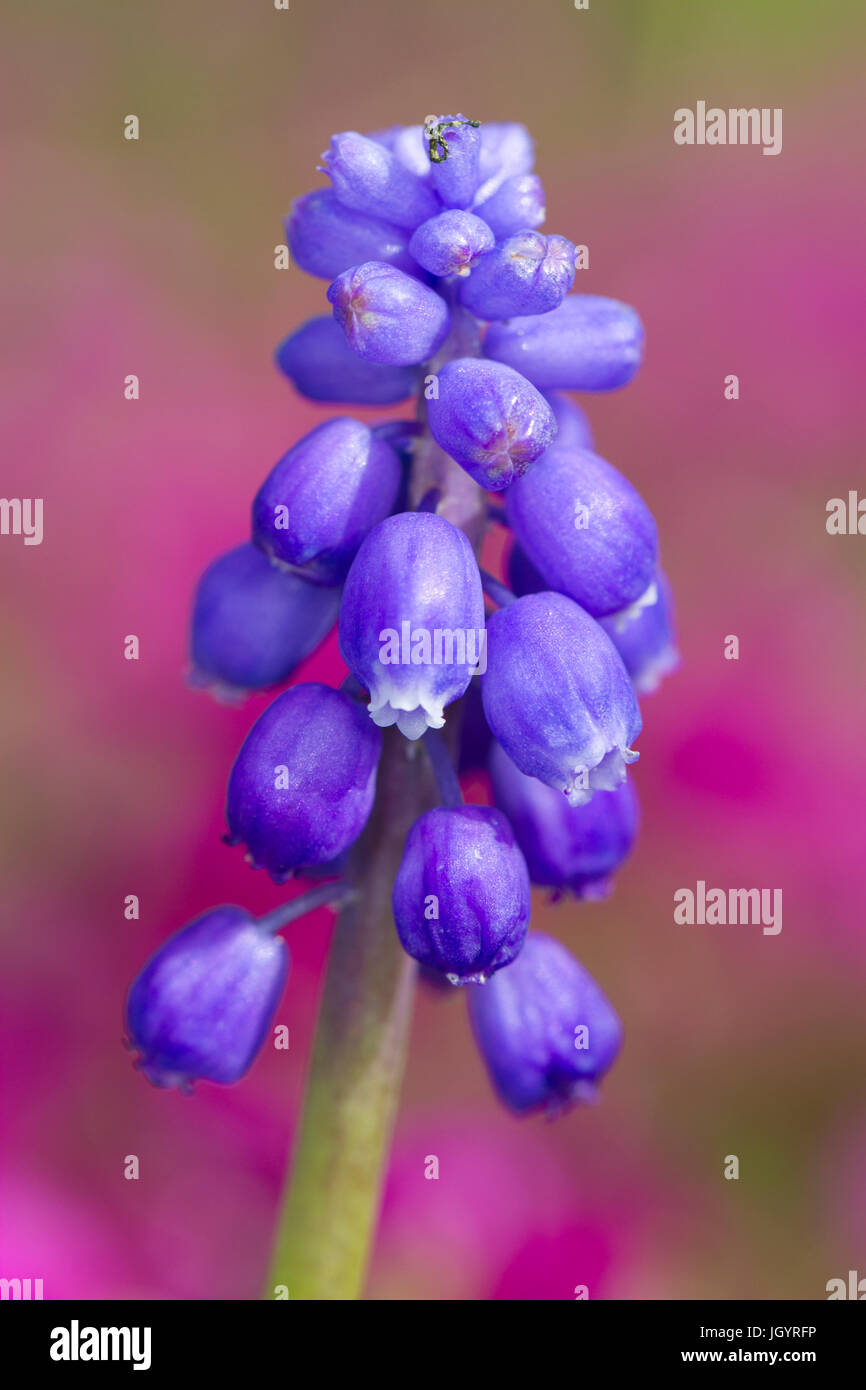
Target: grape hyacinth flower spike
440,285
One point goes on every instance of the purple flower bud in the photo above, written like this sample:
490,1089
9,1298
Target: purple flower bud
451,243
303,783
318,503
517,204
461,895
545,1030
586,344
252,625
387,316
201,1006
573,429
327,238
407,144
506,150
526,274
565,847
490,420
322,366
368,178
557,696
647,643
586,530
455,178
412,620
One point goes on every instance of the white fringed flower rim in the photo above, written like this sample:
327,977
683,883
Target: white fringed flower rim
627,615
412,710
607,774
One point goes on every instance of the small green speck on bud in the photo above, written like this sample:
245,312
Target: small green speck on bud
434,134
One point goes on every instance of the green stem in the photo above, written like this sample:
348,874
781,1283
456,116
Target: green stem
330,1206
338,893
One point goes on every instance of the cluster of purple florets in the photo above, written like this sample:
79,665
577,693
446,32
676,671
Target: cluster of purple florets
440,284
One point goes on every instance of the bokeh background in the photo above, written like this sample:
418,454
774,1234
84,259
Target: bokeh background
156,258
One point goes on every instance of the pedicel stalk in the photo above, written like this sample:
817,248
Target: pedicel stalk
441,286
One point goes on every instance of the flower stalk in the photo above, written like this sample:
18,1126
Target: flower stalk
335,893
331,1202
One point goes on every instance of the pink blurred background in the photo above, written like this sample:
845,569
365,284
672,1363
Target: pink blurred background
156,258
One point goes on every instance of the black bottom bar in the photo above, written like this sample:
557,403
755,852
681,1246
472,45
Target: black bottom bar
61,1338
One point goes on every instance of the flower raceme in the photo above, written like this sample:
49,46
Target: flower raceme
440,283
